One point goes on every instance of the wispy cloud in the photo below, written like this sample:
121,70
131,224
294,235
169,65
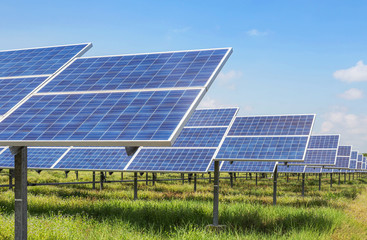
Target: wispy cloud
352,94
227,79
181,30
256,33
357,73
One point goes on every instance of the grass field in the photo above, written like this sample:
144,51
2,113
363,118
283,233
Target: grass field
171,210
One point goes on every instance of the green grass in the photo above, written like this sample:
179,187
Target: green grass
173,211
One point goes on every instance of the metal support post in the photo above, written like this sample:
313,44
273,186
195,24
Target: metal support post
146,178
331,180
66,174
287,177
77,175
303,184
11,173
189,176
298,176
210,177
183,178
256,179
135,186
339,179
250,176
154,177
275,185
20,171
216,194
122,176
345,178
234,177
231,179
195,182
94,180
101,178
320,181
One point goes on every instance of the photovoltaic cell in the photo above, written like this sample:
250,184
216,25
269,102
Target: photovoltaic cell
359,165
248,166
272,125
94,159
323,141
151,115
37,61
313,169
38,158
342,162
212,117
354,155
360,158
13,90
200,137
158,70
165,160
291,168
320,157
263,148
353,164
344,151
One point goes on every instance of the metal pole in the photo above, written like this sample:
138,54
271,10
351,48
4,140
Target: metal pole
154,179
298,176
11,179
250,176
135,186
345,178
287,177
20,170
77,175
275,185
210,177
183,178
231,179
94,180
146,178
101,177
216,194
303,184
122,176
331,180
256,179
320,181
195,182
234,176
339,179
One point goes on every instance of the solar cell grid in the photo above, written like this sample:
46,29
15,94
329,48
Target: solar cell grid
320,157
354,155
313,169
323,141
359,165
212,117
37,61
352,164
272,125
200,137
165,160
360,158
342,162
248,166
159,70
291,168
344,151
263,148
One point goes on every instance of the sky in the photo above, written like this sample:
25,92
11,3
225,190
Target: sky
288,56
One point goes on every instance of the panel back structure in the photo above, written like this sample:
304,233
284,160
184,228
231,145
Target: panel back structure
125,100
248,166
267,138
343,157
193,150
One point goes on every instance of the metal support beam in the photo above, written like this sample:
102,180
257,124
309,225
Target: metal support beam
11,174
101,178
345,178
210,177
66,174
298,176
287,177
331,180
135,186
94,180
231,179
216,194
195,182
256,179
154,178
275,176
320,181
339,179
146,178
20,171
77,175
183,178
122,176
303,184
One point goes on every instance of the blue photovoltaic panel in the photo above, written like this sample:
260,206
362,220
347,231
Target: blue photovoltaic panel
272,125
320,157
150,115
323,141
38,158
171,160
359,165
12,90
200,137
212,117
248,166
157,70
37,61
360,158
327,170
291,168
94,159
344,151
263,148
353,164
342,162
313,169
354,155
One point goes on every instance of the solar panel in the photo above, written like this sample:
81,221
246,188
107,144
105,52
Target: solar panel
248,166
320,157
38,158
323,141
353,164
193,150
94,158
140,71
263,148
38,61
344,151
291,168
354,155
212,117
327,170
272,125
360,158
313,170
166,160
112,114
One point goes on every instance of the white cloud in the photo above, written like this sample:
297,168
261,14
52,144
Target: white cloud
358,73
256,33
352,127
227,79
181,30
352,94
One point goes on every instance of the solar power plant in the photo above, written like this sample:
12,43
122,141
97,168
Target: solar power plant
194,148
248,166
267,138
310,169
22,71
126,100
291,168
38,157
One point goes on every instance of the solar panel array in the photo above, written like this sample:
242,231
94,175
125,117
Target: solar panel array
291,168
267,138
127,100
313,169
343,157
194,148
248,166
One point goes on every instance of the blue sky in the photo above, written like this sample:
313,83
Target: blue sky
288,56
